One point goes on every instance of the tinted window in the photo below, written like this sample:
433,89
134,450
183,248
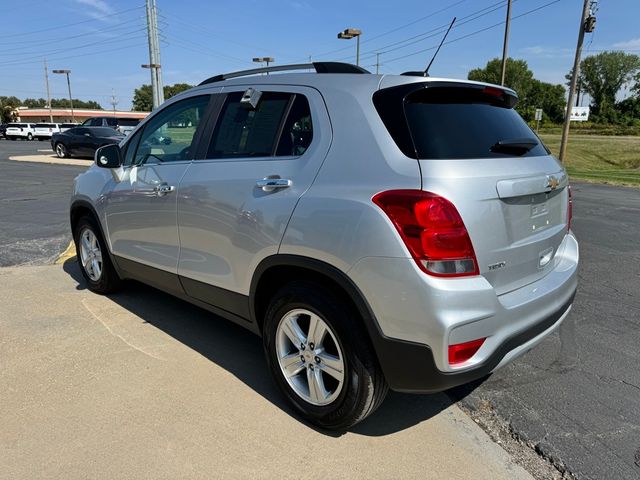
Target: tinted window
128,122
297,132
17,125
168,136
103,132
243,131
112,122
69,125
45,125
451,123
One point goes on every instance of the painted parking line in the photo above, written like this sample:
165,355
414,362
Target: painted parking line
70,252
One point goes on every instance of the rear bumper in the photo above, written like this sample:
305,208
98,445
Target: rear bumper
409,367
418,316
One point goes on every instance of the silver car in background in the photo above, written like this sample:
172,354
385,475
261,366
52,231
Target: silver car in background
378,231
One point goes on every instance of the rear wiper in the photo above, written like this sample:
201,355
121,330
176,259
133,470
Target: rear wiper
517,146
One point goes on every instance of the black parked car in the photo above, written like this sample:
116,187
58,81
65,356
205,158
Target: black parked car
3,130
83,141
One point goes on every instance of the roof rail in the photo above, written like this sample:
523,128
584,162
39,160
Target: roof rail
319,67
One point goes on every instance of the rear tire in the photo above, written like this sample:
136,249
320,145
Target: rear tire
308,373
29,136
61,150
93,257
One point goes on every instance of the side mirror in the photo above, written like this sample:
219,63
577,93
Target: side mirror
108,156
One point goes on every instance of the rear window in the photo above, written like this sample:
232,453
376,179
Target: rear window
128,122
463,123
17,125
103,131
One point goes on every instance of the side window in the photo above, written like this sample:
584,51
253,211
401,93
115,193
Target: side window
112,122
297,132
130,149
243,131
169,135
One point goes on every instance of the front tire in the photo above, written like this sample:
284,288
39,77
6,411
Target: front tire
29,136
320,357
61,150
93,257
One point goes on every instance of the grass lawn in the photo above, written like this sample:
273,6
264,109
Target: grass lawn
600,158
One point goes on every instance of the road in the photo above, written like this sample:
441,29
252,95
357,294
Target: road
34,205
575,399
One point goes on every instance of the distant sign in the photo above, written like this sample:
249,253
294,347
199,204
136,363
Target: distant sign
579,114
538,114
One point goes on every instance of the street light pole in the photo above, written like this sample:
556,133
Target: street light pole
67,72
266,60
574,81
350,33
46,81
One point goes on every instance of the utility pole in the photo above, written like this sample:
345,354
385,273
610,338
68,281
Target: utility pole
377,63
114,101
154,64
46,81
574,81
67,72
505,45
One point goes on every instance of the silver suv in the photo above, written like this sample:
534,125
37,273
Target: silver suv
378,231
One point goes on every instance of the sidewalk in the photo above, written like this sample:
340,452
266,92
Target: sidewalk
142,385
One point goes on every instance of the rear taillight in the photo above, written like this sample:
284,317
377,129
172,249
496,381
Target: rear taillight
462,352
569,208
432,230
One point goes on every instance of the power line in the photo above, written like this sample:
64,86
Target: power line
22,34
393,30
51,54
32,43
475,32
435,32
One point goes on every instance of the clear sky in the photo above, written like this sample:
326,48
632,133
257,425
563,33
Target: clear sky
104,42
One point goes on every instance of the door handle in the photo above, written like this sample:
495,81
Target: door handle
162,189
270,184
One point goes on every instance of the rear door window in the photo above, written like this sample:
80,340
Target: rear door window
242,131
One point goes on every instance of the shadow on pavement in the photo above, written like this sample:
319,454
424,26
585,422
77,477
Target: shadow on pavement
240,353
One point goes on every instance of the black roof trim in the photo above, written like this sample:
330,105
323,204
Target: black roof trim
319,67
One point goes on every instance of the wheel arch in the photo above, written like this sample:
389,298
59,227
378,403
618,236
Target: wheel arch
277,270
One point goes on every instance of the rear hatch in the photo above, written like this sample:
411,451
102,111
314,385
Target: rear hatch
477,152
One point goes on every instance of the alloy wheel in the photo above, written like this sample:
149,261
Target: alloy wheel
90,254
310,357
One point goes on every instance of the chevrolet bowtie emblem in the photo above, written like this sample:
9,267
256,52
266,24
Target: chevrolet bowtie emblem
552,182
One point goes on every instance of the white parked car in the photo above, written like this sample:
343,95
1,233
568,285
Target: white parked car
43,131
20,130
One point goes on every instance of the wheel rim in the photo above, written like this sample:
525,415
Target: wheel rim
310,357
90,255
60,150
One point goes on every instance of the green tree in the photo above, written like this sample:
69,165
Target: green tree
532,93
7,106
143,99
603,75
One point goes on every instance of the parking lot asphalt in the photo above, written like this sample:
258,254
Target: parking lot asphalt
575,399
34,203
141,385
